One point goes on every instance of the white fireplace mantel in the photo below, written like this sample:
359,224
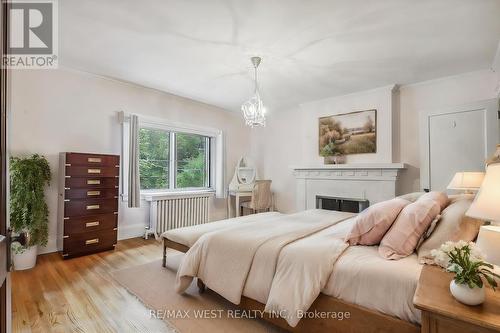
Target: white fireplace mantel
374,182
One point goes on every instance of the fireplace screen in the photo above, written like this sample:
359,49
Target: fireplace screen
341,204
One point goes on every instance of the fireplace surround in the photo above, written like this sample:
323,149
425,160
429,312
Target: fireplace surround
374,182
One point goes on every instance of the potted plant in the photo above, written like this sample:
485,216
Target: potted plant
332,154
28,209
467,262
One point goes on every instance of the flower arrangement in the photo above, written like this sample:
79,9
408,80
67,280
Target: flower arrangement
330,149
467,262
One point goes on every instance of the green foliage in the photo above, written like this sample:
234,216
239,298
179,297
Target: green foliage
469,271
193,174
17,248
28,209
331,149
153,158
190,160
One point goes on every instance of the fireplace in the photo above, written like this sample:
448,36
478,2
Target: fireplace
341,204
373,182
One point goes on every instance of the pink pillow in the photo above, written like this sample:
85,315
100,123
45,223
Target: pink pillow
372,224
440,197
402,239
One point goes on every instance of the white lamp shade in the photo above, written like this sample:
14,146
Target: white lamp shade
486,205
466,181
488,242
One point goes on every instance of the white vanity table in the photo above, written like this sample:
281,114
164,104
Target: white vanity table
241,186
236,196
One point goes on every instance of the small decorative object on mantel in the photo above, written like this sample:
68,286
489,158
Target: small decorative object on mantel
332,156
347,134
495,158
467,262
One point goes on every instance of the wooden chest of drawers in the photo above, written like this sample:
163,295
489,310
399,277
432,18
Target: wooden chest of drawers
88,203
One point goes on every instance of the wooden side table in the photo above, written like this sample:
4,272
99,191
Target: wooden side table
441,313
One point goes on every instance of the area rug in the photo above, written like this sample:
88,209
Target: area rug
193,312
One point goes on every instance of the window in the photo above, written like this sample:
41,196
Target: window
192,160
174,157
171,160
154,152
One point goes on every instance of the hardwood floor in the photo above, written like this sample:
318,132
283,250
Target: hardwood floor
80,295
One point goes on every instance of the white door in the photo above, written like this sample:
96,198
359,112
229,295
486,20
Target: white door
457,145
455,139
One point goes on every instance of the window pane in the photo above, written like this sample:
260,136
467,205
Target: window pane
153,158
192,153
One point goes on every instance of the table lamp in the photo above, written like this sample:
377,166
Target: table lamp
486,206
468,182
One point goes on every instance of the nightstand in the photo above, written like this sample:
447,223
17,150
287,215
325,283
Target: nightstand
441,313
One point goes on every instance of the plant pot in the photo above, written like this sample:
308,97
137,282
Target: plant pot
25,260
466,295
329,159
340,159
336,159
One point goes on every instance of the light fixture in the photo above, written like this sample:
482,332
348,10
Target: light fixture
466,181
486,205
254,111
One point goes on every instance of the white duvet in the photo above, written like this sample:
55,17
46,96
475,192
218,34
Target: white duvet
282,263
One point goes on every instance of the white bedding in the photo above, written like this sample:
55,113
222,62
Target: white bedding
353,278
223,260
360,276
189,235
360,268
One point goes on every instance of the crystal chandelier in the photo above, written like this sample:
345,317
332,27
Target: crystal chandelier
254,111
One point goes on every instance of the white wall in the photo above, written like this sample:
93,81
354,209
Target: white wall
66,110
290,138
379,99
429,95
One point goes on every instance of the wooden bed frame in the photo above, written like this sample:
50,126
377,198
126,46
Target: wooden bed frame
361,320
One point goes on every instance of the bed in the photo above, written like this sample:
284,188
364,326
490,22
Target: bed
377,293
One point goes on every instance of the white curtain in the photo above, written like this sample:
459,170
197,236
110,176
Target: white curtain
134,182
220,161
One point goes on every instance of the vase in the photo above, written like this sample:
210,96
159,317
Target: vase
336,159
340,159
329,159
25,260
464,294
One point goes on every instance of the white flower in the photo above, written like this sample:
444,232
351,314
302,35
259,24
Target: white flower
475,253
442,259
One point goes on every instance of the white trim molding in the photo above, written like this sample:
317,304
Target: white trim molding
495,67
492,132
217,151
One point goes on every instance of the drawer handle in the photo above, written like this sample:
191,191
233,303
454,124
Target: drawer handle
94,171
93,193
93,182
92,224
92,241
94,160
93,207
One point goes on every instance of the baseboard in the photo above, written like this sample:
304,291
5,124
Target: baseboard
131,231
48,249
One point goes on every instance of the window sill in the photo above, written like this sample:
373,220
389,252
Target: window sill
154,196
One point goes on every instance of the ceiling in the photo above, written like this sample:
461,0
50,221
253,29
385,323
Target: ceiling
311,49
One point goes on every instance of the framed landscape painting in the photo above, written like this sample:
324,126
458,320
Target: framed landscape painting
349,133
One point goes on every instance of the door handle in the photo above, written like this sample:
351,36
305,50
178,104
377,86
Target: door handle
8,239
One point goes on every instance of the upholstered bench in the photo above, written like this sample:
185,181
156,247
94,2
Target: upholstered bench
182,239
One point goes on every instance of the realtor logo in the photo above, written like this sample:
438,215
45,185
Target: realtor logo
32,35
